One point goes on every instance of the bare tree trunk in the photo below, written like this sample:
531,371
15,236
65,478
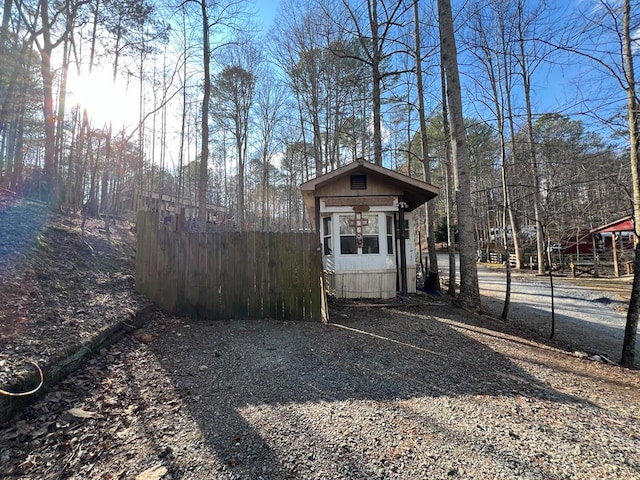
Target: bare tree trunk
50,168
633,110
204,155
4,27
373,42
430,208
537,207
469,291
376,60
59,139
183,124
448,176
513,221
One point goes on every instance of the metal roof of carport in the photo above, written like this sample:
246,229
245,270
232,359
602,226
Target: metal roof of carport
624,224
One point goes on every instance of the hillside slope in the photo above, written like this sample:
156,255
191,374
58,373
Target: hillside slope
59,285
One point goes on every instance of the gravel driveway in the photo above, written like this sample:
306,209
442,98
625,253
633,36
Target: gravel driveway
590,312
413,390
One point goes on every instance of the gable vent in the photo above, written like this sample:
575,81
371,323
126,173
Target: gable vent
358,182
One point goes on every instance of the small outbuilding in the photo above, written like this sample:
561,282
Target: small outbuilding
363,214
619,236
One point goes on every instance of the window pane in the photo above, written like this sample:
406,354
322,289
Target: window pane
389,225
344,224
326,225
390,244
348,244
370,244
371,226
327,246
326,231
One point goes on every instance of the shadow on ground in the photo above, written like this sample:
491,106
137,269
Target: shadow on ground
243,380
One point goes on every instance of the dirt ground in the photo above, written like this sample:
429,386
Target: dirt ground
408,389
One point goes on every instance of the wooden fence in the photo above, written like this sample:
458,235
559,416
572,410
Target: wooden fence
230,275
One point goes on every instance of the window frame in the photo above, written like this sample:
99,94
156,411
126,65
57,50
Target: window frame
390,229
327,237
371,244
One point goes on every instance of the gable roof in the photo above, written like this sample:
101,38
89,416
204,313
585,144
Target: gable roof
415,192
624,224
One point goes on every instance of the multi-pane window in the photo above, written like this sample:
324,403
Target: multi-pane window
347,235
389,234
360,231
326,236
370,234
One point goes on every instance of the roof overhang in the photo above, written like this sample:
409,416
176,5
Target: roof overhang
414,192
625,224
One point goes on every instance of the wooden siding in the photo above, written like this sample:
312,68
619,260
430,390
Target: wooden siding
375,186
369,284
229,275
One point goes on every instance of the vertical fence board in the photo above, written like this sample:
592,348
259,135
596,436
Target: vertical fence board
279,264
249,287
142,252
214,260
305,301
260,277
297,287
153,260
218,277
203,275
273,274
227,286
163,258
239,271
310,247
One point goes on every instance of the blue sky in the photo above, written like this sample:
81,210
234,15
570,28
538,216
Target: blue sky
266,11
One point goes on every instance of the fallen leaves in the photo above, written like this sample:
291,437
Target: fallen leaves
28,392
55,299
153,473
81,413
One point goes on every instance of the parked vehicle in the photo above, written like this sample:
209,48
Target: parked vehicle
496,234
624,240
555,248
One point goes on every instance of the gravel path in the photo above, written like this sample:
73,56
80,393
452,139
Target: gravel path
420,391
590,312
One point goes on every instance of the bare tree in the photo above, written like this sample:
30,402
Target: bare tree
270,102
50,25
633,110
430,208
226,16
526,68
492,47
376,24
330,86
234,95
206,99
610,23
469,291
